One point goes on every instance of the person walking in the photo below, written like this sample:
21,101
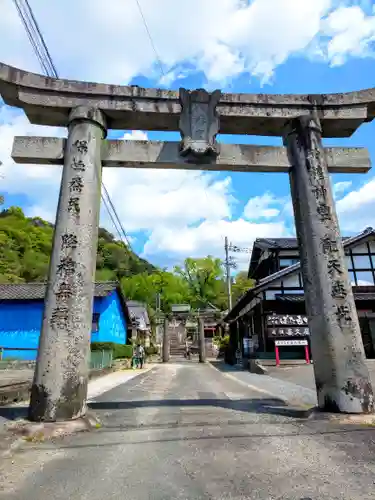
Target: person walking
140,354
187,350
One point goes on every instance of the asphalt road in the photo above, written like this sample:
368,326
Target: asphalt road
186,431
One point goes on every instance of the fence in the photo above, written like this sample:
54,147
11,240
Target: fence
18,353
101,359
98,359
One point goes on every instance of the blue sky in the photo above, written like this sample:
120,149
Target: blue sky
265,46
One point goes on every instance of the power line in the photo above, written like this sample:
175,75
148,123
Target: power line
116,215
150,38
44,57
35,36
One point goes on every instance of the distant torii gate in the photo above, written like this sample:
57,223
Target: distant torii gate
59,388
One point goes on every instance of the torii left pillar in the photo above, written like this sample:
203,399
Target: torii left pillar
59,388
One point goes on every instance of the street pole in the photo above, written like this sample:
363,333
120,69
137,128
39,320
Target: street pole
227,266
165,342
202,343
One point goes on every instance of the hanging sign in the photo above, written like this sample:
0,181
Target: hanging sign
288,332
280,343
287,325
287,320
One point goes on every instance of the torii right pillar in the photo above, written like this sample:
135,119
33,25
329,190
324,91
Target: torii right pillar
341,375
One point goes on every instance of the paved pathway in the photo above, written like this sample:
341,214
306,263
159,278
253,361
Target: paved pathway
186,431
96,387
304,374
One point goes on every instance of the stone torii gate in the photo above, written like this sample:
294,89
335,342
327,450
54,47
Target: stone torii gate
88,110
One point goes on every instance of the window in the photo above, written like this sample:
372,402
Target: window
271,294
351,278
288,262
360,248
95,322
291,281
365,278
361,262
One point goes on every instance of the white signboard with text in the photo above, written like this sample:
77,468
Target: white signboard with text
281,343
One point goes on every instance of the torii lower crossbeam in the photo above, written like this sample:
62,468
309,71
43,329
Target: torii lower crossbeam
154,154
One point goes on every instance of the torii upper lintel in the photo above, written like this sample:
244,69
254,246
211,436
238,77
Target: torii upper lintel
48,101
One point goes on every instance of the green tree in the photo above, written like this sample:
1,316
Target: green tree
241,285
26,244
205,280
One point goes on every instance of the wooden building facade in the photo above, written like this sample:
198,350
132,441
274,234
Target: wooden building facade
273,312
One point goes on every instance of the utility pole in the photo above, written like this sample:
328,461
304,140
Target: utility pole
165,352
202,342
227,267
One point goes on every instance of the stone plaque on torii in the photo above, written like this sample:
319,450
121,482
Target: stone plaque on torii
59,388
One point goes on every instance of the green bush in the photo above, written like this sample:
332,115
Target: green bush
118,350
102,346
151,350
123,351
224,342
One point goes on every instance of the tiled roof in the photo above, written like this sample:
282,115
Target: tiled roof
138,314
280,243
37,291
263,283
301,297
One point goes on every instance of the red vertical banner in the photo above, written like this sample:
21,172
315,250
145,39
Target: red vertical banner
277,355
307,357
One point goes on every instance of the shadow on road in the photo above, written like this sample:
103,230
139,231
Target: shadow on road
13,412
272,406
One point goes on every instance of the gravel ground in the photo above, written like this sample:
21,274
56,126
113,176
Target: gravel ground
187,431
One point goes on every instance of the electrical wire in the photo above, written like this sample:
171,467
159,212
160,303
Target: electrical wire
150,37
39,45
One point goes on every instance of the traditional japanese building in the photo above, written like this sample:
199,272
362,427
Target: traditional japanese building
272,314
140,329
21,315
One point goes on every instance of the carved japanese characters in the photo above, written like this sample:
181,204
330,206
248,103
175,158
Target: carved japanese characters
339,360
199,124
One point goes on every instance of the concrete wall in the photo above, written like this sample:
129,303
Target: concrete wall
20,324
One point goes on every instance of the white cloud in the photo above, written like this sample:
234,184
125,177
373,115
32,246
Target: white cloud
135,135
40,183
208,238
221,38
356,210
183,212
339,188
351,33
261,207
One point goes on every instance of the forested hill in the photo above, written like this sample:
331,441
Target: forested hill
25,248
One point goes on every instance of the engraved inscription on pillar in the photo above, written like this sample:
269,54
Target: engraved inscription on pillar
199,124
341,374
68,275
60,382
330,244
